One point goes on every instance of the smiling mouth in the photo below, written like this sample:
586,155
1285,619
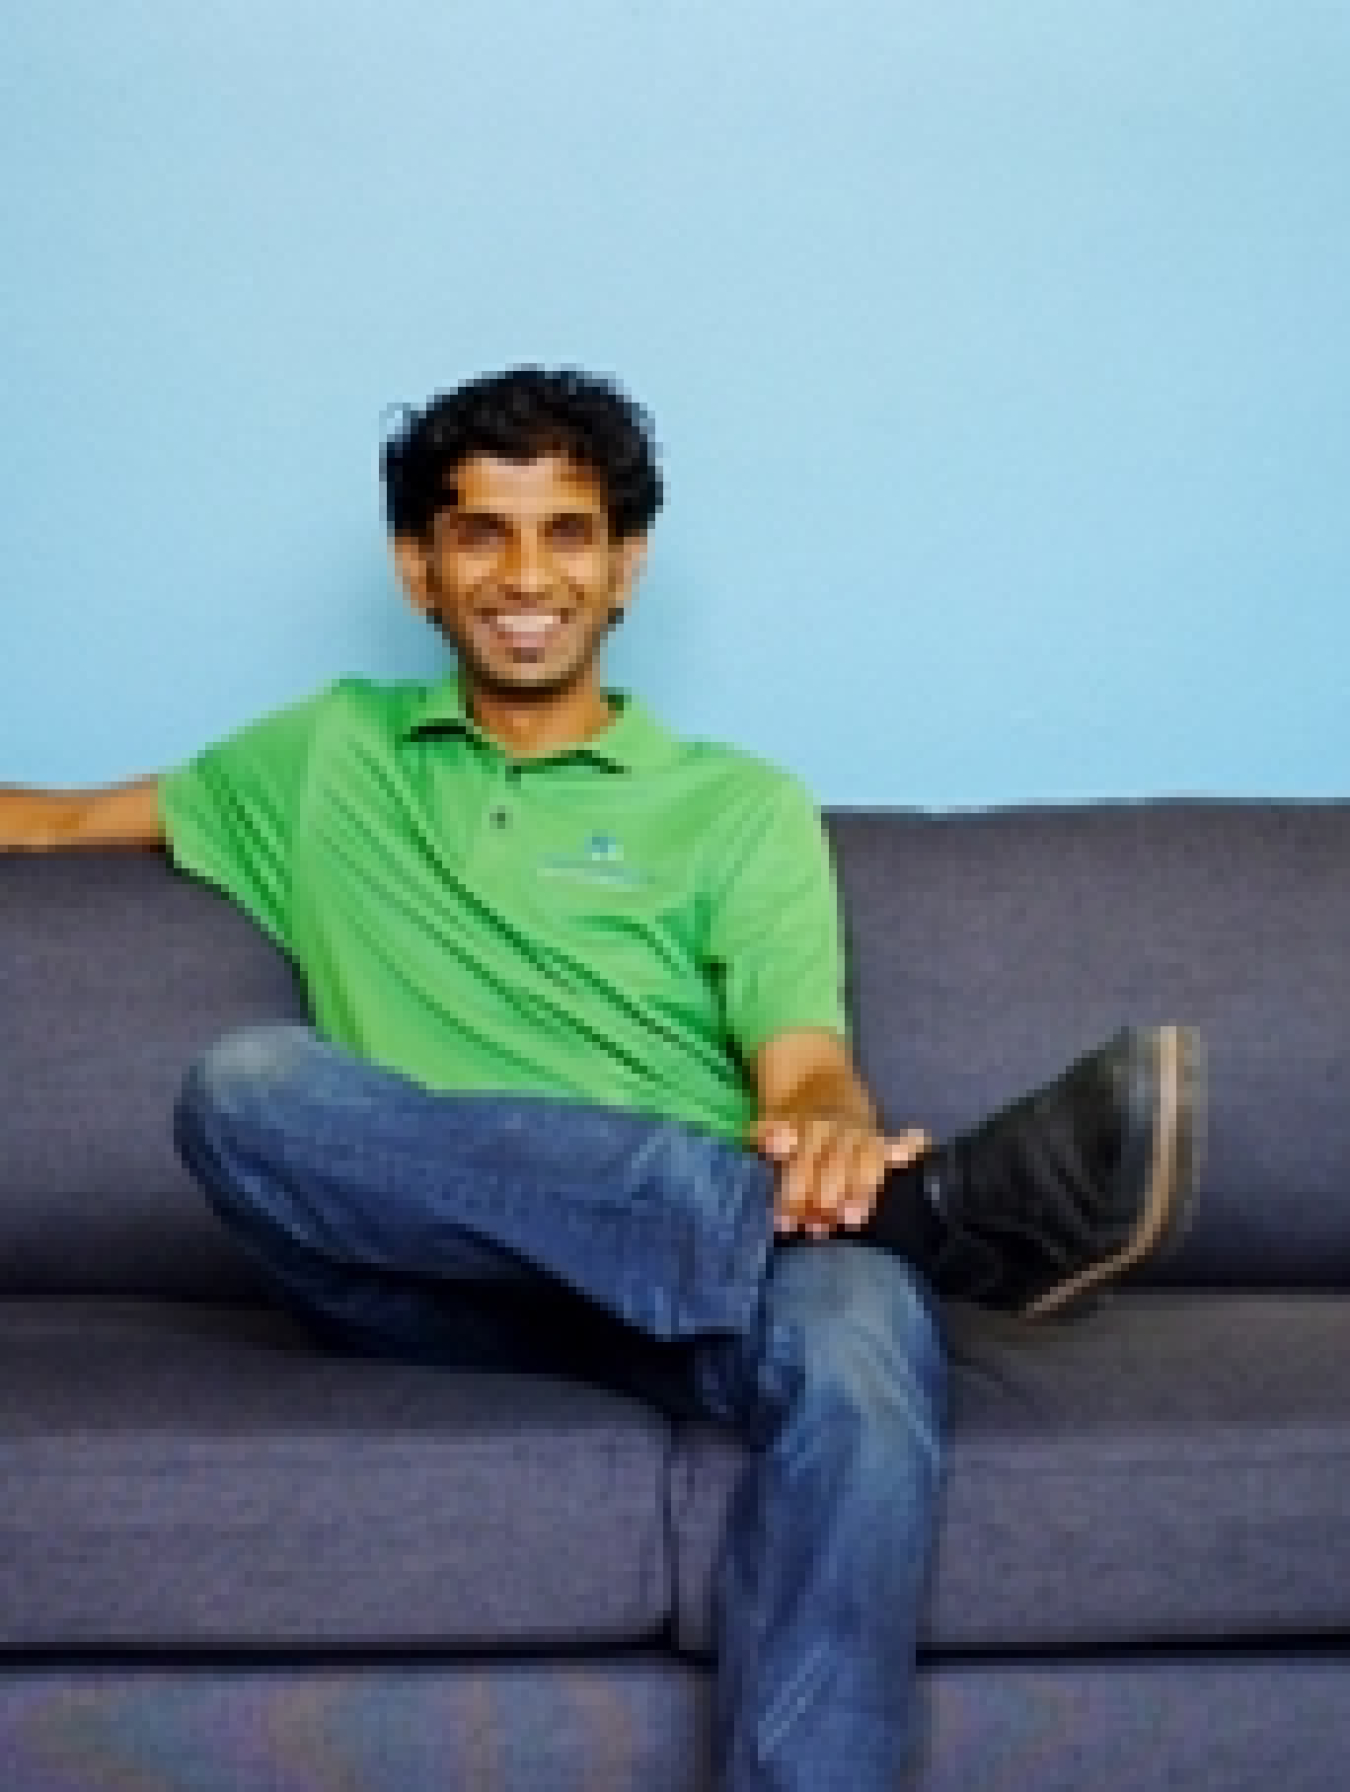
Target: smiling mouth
526,631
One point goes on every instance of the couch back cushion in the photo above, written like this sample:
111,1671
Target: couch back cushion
988,949
114,973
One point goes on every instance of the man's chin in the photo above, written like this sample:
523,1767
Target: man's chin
541,684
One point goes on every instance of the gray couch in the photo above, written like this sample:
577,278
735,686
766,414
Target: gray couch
228,1560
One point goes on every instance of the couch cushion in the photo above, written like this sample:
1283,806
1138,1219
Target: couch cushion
1173,1468
1239,1723
989,949
564,1724
193,1477
114,973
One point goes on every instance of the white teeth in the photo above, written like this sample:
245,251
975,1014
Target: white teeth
527,625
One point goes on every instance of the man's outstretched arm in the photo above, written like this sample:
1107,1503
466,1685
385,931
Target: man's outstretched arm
121,815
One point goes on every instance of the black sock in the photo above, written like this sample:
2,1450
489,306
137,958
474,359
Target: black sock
906,1218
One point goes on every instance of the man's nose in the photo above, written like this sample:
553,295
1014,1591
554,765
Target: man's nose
526,567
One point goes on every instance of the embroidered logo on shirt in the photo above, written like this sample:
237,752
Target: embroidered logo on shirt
600,860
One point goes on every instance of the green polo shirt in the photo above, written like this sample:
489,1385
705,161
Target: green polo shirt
624,922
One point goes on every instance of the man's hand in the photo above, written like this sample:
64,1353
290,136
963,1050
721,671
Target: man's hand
818,1125
830,1170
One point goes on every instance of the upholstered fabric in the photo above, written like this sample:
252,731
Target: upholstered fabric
1143,1723
188,1477
988,949
351,1571
985,950
114,973
1173,1468
639,1723
605,1725
1176,1467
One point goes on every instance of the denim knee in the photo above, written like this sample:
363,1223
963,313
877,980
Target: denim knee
859,1326
231,1081
242,1066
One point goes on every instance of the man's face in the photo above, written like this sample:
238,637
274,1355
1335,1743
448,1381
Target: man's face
525,574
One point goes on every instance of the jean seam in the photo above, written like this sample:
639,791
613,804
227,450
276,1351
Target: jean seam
793,1699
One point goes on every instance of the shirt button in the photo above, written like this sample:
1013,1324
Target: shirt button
500,818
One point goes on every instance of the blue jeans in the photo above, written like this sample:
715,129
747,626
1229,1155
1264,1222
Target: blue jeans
520,1233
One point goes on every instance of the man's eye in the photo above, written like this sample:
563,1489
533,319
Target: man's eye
476,531
571,531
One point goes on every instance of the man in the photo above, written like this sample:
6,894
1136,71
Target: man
579,1054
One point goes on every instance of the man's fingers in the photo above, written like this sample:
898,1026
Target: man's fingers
869,1172
830,1174
903,1148
832,1178
775,1138
801,1179
805,1185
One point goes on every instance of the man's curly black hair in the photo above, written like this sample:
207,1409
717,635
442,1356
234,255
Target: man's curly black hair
516,415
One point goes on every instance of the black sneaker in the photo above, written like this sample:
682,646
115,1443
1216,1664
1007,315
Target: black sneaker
1075,1184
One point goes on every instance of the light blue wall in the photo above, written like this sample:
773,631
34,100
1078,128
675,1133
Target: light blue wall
999,351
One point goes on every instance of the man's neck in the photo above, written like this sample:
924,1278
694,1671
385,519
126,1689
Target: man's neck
528,727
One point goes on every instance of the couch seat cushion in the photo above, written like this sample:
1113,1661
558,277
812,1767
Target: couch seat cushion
192,1477
1172,1468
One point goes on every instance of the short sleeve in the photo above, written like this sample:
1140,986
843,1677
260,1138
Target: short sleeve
230,813
774,934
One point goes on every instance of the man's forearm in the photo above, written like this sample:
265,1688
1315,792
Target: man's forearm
32,819
40,820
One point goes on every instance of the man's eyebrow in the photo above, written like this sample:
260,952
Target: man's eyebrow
477,513
565,513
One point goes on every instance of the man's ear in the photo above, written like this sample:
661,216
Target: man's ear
627,559
412,563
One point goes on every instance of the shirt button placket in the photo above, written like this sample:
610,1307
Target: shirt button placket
500,813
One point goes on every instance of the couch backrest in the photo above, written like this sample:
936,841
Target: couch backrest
989,949
985,951
114,973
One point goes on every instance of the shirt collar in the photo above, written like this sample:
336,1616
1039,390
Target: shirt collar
634,740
